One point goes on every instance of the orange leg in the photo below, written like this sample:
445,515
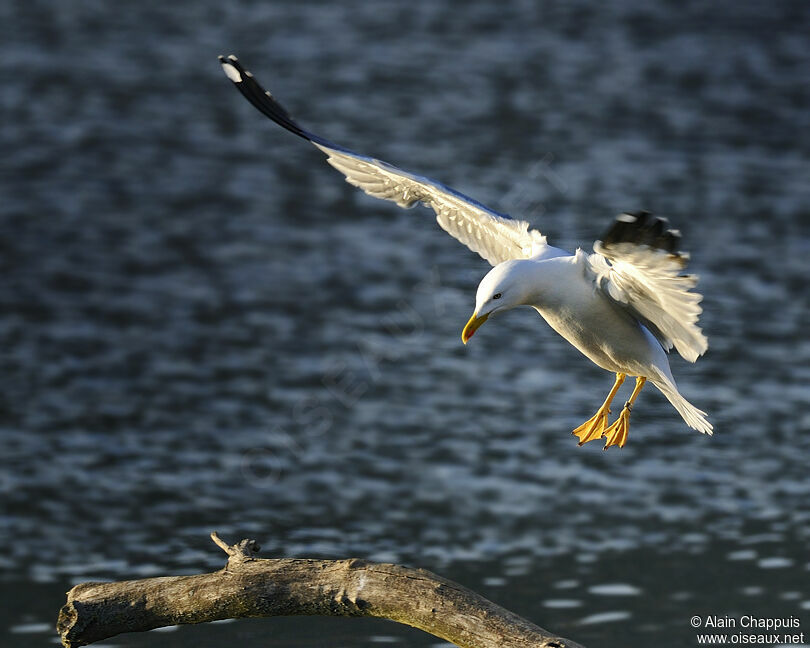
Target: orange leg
616,434
594,427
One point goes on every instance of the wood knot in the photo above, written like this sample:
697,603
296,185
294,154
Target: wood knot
245,549
357,563
241,551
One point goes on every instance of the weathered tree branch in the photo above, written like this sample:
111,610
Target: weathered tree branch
251,587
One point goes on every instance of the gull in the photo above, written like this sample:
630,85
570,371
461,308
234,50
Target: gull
623,307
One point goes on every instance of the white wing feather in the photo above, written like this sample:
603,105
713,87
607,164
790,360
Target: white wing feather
649,283
495,237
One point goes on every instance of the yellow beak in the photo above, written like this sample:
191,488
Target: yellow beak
472,326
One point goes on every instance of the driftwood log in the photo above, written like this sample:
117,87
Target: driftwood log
252,587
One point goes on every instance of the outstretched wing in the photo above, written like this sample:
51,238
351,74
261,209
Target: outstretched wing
494,236
638,266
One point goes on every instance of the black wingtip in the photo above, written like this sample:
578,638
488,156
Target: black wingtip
261,99
642,228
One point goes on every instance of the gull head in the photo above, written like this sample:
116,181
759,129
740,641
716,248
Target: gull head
507,285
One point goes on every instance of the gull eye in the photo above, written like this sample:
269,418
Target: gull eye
497,296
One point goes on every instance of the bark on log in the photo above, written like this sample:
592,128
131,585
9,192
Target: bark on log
251,587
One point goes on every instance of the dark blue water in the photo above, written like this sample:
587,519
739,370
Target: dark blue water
203,327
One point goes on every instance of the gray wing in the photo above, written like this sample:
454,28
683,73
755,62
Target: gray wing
496,237
637,266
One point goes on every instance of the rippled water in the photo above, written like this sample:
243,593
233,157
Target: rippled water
202,327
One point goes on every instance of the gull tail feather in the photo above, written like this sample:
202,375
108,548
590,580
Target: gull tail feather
695,418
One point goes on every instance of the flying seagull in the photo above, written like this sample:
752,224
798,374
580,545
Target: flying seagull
623,307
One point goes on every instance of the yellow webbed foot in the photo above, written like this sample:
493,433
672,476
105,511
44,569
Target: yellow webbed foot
617,433
594,427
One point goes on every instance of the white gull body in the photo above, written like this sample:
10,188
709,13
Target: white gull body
563,289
